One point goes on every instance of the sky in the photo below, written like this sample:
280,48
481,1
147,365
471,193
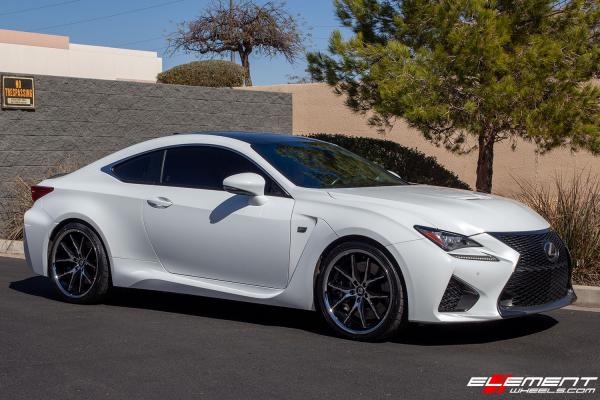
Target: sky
144,24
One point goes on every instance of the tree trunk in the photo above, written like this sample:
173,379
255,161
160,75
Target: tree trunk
245,58
485,163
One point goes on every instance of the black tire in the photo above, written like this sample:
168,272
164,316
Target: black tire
334,284
78,265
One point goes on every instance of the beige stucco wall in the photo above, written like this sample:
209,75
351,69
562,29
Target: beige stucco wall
317,109
34,53
34,39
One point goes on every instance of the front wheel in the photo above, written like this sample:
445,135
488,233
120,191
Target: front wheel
359,292
78,266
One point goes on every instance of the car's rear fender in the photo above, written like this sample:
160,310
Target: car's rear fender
116,219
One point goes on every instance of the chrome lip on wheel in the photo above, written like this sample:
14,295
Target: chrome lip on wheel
357,291
74,263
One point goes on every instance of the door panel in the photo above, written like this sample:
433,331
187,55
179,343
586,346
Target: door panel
218,235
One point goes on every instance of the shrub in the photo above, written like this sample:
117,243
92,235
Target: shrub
213,73
572,206
15,207
19,200
410,164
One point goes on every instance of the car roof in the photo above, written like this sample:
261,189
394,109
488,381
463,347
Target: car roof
256,137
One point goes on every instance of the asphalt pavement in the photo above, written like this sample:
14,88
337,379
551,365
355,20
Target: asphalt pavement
150,345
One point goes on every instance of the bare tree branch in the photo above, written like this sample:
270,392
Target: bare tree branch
266,29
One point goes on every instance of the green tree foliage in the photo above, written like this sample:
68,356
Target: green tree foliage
410,164
213,73
471,73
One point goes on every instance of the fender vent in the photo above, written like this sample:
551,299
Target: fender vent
458,296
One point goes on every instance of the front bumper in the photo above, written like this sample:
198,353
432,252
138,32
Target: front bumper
428,270
554,305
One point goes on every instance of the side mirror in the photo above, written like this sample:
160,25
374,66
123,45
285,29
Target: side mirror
247,184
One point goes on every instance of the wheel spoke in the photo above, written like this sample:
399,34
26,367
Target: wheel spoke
62,244
345,275
367,283
354,307
81,245
87,256
85,276
80,279
66,273
331,285
373,308
71,282
65,260
74,245
367,266
353,267
340,301
361,314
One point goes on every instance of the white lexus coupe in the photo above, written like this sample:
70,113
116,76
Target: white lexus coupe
294,222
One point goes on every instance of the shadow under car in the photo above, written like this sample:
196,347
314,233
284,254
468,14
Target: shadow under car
414,334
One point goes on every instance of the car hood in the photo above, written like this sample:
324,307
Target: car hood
455,210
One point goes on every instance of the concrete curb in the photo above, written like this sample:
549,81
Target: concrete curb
587,296
11,248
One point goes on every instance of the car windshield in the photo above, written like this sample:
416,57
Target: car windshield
315,164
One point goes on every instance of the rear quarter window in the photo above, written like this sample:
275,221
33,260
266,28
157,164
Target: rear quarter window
144,169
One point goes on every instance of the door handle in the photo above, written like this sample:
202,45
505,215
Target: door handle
160,202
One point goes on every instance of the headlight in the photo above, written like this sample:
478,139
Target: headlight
448,241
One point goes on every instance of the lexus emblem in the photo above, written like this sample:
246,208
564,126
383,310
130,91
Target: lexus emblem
552,252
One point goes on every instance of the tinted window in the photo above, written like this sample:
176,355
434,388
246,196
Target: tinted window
316,164
143,169
206,167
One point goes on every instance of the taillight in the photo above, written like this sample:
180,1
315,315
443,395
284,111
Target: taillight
40,191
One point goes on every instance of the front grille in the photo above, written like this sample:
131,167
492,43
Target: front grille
458,296
536,280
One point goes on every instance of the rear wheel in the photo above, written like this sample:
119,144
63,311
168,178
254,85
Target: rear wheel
359,292
78,265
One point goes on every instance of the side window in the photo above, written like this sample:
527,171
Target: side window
206,167
144,169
